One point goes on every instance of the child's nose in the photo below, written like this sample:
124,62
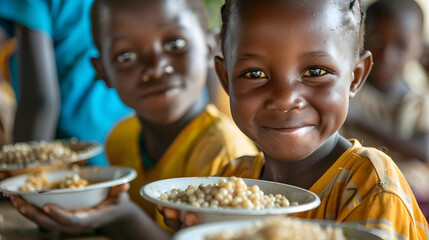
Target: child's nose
159,68
285,97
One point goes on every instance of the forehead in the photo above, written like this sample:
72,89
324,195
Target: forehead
314,24
145,16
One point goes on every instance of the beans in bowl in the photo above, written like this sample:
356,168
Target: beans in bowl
233,193
282,228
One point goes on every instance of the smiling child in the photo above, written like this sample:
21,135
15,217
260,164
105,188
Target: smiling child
290,68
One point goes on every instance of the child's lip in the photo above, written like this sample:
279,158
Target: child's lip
292,129
157,89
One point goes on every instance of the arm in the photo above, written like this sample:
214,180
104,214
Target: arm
117,217
372,213
424,58
39,99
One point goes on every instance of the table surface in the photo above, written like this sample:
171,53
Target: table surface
15,226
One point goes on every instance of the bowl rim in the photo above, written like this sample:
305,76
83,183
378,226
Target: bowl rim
145,193
97,149
130,175
238,225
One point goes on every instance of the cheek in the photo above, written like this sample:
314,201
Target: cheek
244,107
334,108
126,86
193,67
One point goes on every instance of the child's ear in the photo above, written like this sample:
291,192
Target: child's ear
360,72
222,74
98,66
213,45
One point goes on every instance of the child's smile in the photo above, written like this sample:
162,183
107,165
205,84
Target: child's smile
158,90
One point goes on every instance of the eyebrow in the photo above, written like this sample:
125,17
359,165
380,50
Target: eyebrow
247,56
319,54
172,25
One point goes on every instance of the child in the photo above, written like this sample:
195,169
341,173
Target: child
156,55
157,59
58,96
7,95
387,113
290,68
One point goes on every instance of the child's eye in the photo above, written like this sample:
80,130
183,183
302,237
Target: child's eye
176,44
314,72
126,57
255,74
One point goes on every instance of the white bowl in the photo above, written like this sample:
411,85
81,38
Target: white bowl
306,199
82,151
352,231
76,198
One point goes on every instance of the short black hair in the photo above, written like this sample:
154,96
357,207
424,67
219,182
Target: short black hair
357,31
384,7
97,14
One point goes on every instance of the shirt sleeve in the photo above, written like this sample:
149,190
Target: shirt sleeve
393,222
33,14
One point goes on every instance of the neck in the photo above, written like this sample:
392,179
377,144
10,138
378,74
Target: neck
305,172
158,137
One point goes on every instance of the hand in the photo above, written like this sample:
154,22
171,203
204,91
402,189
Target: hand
52,217
424,58
4,175
172,219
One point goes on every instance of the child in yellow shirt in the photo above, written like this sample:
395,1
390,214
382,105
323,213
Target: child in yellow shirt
156,54
290,68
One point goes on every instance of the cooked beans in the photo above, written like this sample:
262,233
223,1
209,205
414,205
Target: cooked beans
38,182
20,155
282,228
233,193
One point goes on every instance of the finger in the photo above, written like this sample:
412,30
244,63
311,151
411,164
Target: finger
116,190
16,200
171,213
69,222
33,213
190,219
160,209
3,175
66,217
171,218
113,200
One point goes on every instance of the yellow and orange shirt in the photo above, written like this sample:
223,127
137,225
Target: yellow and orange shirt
364,186
205,145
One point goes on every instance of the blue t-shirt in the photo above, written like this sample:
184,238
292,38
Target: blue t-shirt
88,108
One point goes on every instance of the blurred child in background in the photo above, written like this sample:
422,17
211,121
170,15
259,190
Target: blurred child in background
387,114
7,95
156,55
58,95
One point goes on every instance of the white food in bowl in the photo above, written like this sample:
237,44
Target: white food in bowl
232,193
282,228
352,231
71,198
306,200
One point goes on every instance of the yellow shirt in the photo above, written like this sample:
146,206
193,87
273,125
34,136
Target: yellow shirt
363,186
201,149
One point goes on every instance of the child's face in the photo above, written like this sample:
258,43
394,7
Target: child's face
163,41
290,72
393,40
